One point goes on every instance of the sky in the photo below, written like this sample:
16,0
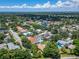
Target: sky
39,5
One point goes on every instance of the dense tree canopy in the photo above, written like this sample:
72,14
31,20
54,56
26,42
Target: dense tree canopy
76,50
36,52
51,51
26,43
15,54
1,37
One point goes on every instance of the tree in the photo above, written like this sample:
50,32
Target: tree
2,53
64,35
22,54
15,54
26,43
75,34
38,26
1,37
76,42
51,51
56,37
76,50
36,52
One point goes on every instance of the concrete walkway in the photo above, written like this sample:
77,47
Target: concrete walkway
69,57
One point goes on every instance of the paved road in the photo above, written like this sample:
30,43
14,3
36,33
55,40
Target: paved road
70,58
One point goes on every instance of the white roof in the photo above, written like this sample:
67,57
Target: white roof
71,46
2,46
27,33
12,46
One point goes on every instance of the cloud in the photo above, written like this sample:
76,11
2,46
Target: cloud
65,4
45,5
75,2
37,6
58,4
16,6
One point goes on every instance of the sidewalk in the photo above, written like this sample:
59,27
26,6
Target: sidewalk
69,57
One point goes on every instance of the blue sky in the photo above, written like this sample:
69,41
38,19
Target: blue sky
31,2
39,5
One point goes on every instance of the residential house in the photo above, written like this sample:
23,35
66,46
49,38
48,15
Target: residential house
35,39
13,46
41,46
46,34
16,36
3,30
3,46
20,29
32,39
64,43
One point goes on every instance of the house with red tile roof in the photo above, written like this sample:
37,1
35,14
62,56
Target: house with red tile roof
41,46
32,39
